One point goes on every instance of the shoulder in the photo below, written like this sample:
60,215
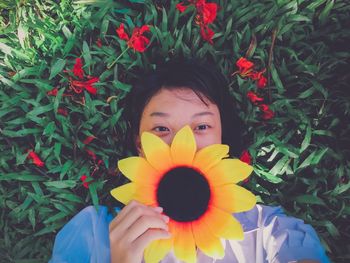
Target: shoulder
284,238
84,237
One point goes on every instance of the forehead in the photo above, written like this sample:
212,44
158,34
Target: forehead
167,98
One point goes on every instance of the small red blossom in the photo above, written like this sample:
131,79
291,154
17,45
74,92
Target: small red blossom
245,66
245,69
262,81
62,111
35,158
83,179
78,68
52,92
205,15
246,157
137,41
208,12
91,154
253,97
99,42
181,7
88,139
207,34
267,112
78,85
121,32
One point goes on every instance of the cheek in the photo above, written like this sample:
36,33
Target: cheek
208,139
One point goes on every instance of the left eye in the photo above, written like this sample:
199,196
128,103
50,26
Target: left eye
202,127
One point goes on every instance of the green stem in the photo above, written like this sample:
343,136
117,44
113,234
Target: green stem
111,65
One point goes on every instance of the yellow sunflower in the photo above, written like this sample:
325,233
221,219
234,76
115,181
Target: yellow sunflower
197,190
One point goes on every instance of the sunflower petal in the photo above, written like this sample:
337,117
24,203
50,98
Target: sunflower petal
138,170
229,171
124,193
183,147
232,198
210,156
157,152
223,224
207,241
145,194
184,245
157,250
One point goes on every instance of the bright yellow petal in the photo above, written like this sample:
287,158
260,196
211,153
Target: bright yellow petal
124,193
184,245
206,241
232,198
210,156
146,195
222,224
183,147
132,191
229,171
157,152
138,170
157,250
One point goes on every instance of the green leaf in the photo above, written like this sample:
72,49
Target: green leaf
307,139
21,177
57,68
61,184
309,199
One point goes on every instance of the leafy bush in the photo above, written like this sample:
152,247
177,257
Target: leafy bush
300,155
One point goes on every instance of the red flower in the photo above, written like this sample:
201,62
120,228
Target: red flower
207,34
247,158
83,179
207,12
246,70
262,81
89,139
35,158
121,32
78,68
62,111
245,66
91,154
137,41
267,112
78,86
99,42
52,92
253,97
181,7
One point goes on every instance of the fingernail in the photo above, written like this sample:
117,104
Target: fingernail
158,209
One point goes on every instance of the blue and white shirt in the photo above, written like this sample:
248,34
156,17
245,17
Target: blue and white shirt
269,236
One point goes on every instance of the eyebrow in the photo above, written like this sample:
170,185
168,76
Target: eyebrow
163,114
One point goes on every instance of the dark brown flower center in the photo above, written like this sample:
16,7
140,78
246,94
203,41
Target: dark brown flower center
184,194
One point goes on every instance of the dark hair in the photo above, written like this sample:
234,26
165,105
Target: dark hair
204,79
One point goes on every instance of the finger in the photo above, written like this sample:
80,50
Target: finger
145,223
122,226
126,210
150,235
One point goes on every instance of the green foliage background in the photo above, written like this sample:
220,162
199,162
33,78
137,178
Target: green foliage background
301,157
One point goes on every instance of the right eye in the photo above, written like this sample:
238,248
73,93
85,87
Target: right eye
161,129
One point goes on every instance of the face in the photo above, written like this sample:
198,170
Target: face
170,110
